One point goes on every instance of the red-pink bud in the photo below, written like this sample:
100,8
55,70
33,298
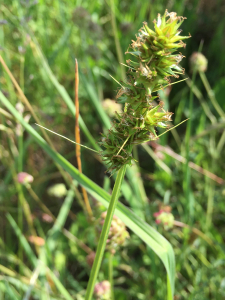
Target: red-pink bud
24,178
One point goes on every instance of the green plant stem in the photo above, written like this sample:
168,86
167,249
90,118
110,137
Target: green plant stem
20,164
156,159
104,233
20,207
116,38
210,204
38,200
26,209
187,182
111,275
203,103
211,95
221,143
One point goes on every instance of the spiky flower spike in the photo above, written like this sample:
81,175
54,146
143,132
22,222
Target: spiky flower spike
153,64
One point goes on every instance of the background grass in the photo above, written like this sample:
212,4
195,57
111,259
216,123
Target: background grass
39,42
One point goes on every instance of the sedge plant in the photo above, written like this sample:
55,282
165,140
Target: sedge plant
153,63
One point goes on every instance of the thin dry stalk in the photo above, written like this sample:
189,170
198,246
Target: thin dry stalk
24,99
77,139
196,231
192,165
65,231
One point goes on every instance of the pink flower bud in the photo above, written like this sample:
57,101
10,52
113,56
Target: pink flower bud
47,218
24,178
165,217
102,290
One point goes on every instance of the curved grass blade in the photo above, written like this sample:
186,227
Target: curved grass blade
148,234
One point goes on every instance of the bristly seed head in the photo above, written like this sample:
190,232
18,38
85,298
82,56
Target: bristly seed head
154,62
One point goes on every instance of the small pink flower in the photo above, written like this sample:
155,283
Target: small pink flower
158,213
24,178
102,289
165,217
47,218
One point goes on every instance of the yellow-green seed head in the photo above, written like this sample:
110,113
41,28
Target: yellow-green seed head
198,62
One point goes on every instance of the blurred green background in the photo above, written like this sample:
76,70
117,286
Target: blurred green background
39,41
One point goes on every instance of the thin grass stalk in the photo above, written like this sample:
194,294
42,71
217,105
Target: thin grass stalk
104,233
157,160
20,202
187,181
211,95
208,130
221,143
39,202
23,97
33,280
192,165
24,206
196,231
210,204
27,249
26,209
203,103
20,161
116,38
66,233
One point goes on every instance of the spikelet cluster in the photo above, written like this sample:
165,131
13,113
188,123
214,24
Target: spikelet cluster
150,69
102,290
118,233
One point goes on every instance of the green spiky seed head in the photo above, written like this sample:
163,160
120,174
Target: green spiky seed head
154,62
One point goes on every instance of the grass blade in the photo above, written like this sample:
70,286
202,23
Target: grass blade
63,213
149,235
59,285
22,239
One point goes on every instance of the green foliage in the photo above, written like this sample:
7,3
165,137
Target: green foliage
39,43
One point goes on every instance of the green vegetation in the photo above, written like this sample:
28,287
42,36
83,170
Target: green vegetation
172,198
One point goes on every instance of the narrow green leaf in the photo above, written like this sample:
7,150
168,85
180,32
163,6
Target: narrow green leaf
63,213
149,235
30,254
59,285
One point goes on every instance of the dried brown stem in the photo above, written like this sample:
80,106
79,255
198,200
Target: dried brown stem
196,231
77,139
192,165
